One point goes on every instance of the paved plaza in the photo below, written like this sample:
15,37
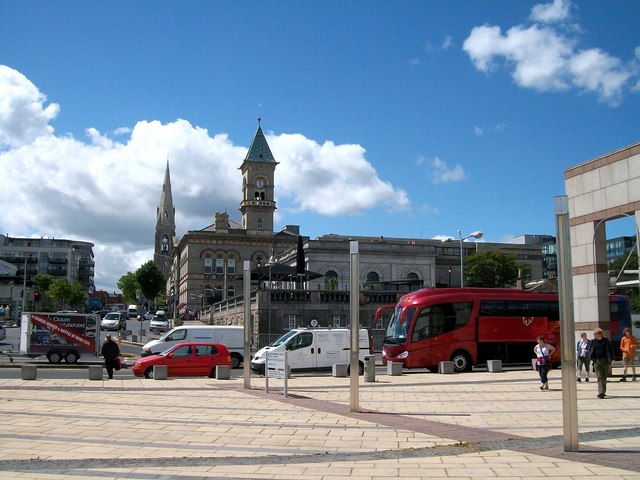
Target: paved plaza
476,425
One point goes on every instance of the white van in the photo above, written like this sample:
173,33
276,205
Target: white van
231,337
132,311
315,349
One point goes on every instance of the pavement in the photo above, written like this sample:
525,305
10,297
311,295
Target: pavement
477,425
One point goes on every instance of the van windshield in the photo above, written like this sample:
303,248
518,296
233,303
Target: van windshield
283,338
174,335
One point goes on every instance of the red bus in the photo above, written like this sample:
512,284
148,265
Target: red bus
469,326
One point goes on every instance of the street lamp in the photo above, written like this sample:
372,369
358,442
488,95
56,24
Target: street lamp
476,234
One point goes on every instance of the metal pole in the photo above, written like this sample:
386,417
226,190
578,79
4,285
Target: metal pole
461,260
247,324
354,302
567,327
24,285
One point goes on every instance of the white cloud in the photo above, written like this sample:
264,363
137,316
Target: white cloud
557,11
547,58
23,116
440,172
105,190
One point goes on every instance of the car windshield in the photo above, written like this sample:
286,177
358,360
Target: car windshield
283,338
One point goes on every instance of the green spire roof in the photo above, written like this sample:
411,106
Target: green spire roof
259,150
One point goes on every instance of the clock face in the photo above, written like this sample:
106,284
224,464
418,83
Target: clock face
260,183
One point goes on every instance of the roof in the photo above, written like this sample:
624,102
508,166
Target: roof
259,150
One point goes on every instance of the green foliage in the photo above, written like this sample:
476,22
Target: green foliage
128,284
67,294
619,263
491,269
151,280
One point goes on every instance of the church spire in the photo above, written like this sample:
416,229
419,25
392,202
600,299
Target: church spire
166,199
259,150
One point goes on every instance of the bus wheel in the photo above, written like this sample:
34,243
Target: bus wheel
54,357
71,357
235,360
461,361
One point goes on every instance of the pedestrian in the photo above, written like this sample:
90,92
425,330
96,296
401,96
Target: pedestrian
600,355
582,348
543,352
110,352
628,347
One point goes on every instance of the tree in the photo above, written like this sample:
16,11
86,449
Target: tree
151,280
43,283
128,284
67,294
491,269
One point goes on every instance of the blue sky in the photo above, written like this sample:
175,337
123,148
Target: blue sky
404,119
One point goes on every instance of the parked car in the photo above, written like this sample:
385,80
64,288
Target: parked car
185,359
114,321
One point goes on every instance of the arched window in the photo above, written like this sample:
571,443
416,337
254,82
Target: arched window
413,276
259,224
373,277
331,280
231,265
231,291
219,265
217,293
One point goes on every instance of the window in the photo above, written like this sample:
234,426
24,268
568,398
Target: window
331,280
181,352
231,265
293,321
373,277
520,308
231,291
303,340
208,265
259,224
413,276
218,293
438,319
219,265
339,320
180,334
202,350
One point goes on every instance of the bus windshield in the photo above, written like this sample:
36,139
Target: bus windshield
399,325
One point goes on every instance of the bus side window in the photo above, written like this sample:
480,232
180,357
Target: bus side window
421,326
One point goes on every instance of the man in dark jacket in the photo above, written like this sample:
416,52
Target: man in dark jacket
110,352
600,355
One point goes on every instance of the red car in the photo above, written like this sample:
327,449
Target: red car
186,359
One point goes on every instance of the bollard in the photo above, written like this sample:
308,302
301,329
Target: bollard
339,369
29,372
160,372
394,368
494,365
369,368
445,367
223,372
95,372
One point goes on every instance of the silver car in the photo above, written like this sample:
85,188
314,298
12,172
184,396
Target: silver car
114,321
159,324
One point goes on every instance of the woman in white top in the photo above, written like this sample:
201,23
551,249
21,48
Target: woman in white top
582,352
543,352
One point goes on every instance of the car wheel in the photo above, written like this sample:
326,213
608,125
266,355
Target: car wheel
148,373
236,360
212,374
71,357
54,357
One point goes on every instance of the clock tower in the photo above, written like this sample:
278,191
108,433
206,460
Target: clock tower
165,226
258,169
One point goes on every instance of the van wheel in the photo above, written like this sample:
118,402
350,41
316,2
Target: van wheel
461,361
236,360
54,357
148,373
360,369
71,357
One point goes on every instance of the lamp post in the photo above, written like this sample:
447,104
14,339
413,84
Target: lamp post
24,285
476,234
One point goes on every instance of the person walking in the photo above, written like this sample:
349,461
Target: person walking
628,347
600,355
543,352
582,350
110,352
